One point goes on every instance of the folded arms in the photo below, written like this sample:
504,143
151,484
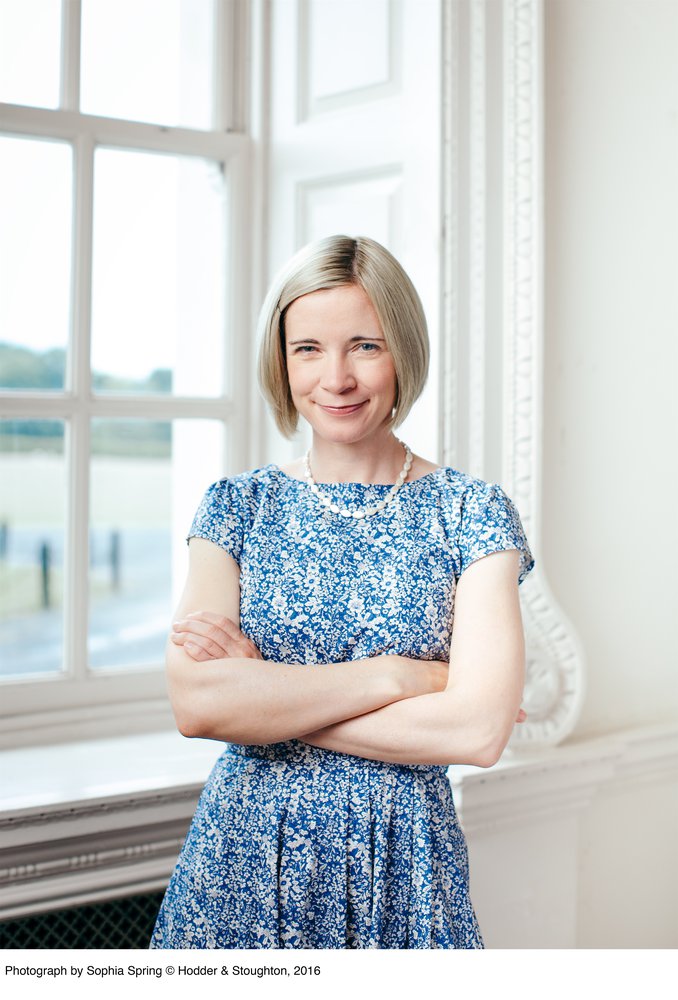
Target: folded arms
389,708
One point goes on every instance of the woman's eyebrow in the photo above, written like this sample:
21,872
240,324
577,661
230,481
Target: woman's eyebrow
358,337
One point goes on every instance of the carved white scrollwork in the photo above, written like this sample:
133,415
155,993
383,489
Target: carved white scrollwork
489,438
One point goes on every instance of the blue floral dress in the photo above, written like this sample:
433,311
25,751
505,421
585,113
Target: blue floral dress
292,846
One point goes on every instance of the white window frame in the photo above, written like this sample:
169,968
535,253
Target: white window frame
80,703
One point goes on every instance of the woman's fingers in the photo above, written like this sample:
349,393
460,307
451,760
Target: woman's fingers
218,622
194,643
215,635
198,653
186,633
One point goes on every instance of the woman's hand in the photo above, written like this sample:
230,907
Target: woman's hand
208,636
418,677
428,677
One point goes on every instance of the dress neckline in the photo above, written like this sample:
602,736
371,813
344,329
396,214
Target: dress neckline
366,486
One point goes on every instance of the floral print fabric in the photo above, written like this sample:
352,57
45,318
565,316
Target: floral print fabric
293,846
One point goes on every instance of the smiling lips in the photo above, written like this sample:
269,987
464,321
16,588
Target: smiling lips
342,411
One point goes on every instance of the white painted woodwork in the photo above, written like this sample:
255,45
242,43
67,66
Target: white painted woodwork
354,147
349,51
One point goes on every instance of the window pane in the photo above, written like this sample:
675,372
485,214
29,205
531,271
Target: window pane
32,528
148,60
30,46
147,480
158,279
35,262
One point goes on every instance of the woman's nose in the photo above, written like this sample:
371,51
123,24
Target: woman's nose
337,374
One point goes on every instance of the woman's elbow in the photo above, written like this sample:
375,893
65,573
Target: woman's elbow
491,745
191,724
190,703
197,717
487,756
189,715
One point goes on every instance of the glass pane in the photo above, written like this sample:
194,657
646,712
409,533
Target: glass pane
158,278
147,480
30,52
148,60
35,262
32,529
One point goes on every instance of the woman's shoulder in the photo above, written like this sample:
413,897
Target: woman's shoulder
452,482
244,488
231,505
480,517
462,497
244,482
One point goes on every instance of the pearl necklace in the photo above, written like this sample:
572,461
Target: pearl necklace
366,511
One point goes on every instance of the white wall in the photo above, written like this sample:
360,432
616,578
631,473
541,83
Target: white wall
627,887
611,348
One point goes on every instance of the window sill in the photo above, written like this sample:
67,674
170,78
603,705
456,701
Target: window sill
93,820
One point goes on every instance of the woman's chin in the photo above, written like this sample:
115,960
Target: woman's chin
347,435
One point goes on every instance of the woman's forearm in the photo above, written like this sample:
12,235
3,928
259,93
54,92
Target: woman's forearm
443,728
242,700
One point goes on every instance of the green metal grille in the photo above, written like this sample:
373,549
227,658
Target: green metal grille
119,923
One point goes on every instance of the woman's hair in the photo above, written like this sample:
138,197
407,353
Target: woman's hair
328,263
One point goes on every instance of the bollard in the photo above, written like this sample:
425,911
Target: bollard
45,565
115,560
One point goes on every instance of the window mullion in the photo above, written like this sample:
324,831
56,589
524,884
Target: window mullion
230,41
77,570
77,563
70,54
221,90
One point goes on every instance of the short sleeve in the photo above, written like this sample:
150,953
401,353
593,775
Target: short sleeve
221,518
491,523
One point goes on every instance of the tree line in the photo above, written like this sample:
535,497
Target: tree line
23,368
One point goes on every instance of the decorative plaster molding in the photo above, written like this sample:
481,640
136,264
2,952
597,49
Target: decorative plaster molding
83,851
555,662
477,238
449,319
91,860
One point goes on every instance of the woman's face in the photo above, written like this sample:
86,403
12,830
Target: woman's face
341,373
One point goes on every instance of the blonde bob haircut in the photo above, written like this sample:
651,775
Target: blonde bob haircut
328,263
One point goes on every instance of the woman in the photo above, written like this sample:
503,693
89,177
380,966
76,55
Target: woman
314,636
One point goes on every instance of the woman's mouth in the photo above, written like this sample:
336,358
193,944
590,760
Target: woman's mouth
342,411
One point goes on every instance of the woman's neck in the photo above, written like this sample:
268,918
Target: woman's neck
374,461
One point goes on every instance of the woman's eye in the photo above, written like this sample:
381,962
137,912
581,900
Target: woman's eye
368,348
304,349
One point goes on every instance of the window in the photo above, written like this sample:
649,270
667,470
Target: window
121,200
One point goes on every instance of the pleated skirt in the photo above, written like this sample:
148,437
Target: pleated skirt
296,847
